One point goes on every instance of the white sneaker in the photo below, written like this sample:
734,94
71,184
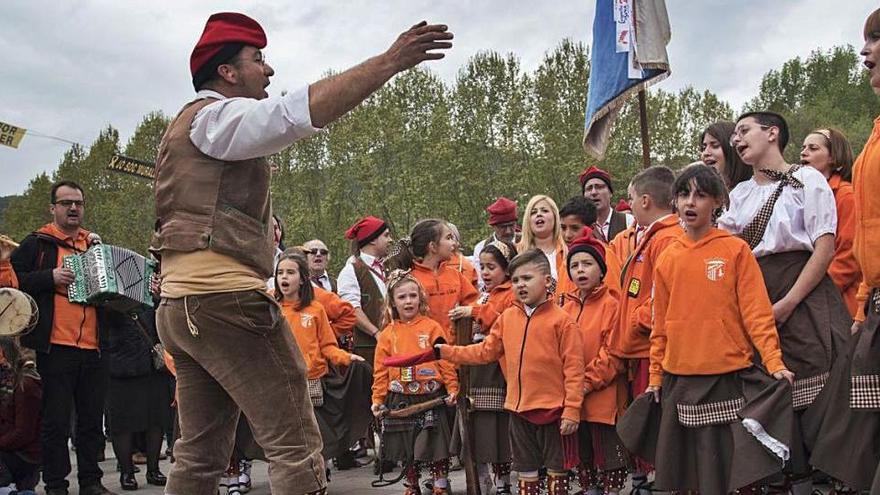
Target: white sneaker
244,479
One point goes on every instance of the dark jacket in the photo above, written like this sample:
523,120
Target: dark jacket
127,350
33,263
20,420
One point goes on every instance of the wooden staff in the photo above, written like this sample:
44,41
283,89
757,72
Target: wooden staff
405,412
463,332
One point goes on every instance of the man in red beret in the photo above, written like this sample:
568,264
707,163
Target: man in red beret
503,220
596,186
362,281
232,347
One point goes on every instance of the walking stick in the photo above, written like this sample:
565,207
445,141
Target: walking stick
463,331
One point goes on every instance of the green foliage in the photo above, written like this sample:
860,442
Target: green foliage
420,148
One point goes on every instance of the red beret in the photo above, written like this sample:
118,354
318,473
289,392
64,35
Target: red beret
365,230
622,205
586,243
501,211
595,173
222,29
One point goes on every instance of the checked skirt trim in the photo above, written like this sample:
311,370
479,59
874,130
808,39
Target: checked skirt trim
487,398
804,391
864,392
316,392
710,413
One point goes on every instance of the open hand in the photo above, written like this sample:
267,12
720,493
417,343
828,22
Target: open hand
415,45
567,427
460,312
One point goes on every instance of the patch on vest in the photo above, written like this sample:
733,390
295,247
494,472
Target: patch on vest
715,269
306,320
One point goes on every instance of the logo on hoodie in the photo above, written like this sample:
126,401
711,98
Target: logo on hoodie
715,269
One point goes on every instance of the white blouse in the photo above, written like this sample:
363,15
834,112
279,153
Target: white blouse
799,218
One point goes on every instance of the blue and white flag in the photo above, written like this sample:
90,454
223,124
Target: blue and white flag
628,54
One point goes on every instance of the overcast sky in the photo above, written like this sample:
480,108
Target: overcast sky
72,68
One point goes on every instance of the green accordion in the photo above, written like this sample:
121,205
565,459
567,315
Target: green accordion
111,276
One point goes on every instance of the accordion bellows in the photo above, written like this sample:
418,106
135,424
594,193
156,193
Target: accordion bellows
111,276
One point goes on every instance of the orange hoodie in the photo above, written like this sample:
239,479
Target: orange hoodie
604,384
339,311
315,338
7,275
74,324
543,358
499,299
710,308
844,269
402,338
631,339
464,266
866,183
445,289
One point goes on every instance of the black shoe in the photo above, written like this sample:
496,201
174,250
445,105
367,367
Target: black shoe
56,491
127,481
96,489
346,461
156,478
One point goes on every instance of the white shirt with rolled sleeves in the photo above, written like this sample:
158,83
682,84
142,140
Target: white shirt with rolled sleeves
234,129
800,216
347,284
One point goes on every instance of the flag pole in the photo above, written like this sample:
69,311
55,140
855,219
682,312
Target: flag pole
643,124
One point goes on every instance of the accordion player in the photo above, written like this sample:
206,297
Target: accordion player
111,276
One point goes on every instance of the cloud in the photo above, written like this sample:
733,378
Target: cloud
75,68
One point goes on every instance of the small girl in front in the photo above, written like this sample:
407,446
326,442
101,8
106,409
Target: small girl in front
710,310
422,439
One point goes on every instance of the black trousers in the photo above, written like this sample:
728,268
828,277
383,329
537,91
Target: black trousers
14,469
73,380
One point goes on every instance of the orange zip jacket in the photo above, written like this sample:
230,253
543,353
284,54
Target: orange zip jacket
500,298
844,269
315,338
74,324
339,311
866,183
631,338
445,289
402,338
605,386
464,266
624,244
7,275
710,308
543,357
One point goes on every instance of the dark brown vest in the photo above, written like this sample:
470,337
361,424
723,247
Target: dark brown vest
205,203
372,304
616,225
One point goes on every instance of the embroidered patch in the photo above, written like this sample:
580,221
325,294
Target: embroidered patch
316,392
864,392
306,320
432,386
804,391
407,374
708,414
715,269
396,386
423,340
426,372
634,287
413,387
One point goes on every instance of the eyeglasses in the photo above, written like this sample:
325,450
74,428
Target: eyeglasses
315,252
739,132
67,203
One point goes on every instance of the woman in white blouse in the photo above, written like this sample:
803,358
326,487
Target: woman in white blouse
788,216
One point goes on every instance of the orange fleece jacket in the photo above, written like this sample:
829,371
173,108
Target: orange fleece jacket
315,338
500,298
866,183
844,269
7,275
604,385
710,308
543,358
339,311
631,338
402,338
446,289
74,324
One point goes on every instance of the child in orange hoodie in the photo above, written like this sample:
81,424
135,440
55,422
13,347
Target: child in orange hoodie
710,311
487,383
430,246
342,408
604,460
423,438
544,366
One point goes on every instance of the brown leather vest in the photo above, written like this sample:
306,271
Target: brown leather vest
372,301
616,225
205,203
